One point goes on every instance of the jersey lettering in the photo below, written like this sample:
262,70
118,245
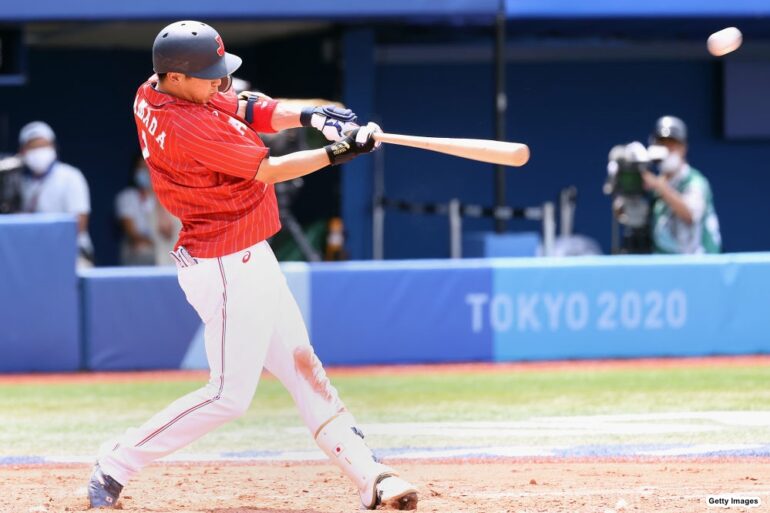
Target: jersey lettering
139,107
145,147
150,122
161,140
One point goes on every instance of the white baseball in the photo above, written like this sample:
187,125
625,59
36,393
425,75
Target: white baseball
724,41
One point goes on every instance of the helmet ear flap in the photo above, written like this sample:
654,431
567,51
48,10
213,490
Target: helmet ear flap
226,84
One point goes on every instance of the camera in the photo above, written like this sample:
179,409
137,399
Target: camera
11,172
631,203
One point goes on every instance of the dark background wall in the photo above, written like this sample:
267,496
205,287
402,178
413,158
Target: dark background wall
86,96
569,112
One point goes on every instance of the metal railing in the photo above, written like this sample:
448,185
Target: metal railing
455,211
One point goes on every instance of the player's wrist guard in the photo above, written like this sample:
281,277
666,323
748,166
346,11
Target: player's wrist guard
251,99
306,116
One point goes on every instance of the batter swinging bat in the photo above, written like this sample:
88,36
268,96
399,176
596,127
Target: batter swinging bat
483,150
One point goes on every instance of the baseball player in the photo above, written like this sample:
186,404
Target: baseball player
210,169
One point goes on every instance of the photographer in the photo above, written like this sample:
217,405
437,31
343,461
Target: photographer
684,220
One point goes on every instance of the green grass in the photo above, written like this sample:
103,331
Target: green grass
73,419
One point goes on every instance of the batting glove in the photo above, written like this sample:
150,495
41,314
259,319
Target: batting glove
358,141
366,135
333,122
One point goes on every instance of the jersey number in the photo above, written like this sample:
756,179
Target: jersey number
145,148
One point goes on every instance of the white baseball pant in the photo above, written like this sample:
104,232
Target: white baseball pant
251,321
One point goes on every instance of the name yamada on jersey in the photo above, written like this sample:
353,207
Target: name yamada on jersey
150,122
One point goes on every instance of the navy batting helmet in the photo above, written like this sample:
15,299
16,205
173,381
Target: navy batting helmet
192,48
670,127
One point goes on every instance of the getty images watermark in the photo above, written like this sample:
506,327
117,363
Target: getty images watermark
733,501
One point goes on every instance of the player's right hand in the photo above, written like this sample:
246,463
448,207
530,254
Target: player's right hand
358,141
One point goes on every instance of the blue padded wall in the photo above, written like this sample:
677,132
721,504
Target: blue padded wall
135,318
39,325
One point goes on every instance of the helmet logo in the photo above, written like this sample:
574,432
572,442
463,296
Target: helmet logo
221,47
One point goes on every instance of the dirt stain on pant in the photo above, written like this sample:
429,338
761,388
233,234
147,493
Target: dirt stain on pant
309,367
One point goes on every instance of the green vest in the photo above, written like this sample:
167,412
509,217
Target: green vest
672,235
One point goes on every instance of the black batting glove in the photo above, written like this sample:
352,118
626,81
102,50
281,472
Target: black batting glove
357,142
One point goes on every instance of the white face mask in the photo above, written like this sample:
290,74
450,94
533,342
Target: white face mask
39,160
672,163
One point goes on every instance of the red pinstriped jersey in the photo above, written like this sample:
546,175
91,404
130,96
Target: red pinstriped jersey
203,160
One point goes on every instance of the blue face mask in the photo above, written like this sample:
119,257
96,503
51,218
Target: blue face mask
142,177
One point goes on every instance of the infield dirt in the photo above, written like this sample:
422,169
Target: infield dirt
509,486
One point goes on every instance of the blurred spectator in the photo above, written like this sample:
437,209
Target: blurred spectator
165,232
134,207
335,240
51,186
149,231
11,181
683,216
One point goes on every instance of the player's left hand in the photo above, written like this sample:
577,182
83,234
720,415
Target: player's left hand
332,121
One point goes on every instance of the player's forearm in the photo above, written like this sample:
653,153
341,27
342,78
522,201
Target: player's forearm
291,166
286,115
280,169
331,117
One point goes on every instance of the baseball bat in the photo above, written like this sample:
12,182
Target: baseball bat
483,150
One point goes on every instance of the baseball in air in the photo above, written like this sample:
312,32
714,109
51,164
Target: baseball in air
724,41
